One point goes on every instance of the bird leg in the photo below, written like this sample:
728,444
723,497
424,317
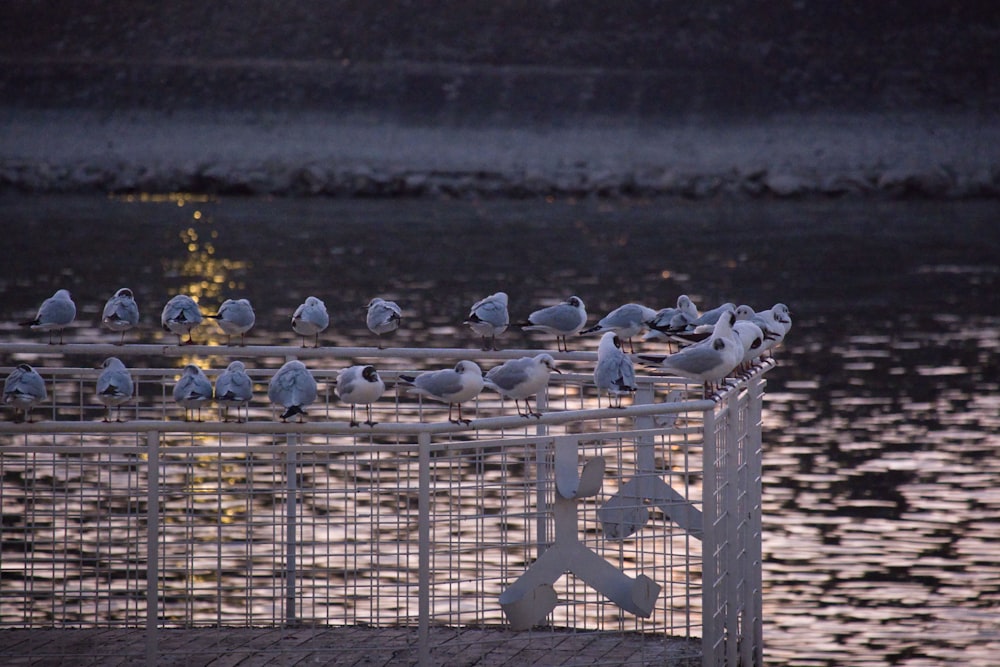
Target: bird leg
368,409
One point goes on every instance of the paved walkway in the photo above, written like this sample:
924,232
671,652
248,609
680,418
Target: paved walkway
348,646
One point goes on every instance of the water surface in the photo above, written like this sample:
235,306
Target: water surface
882,508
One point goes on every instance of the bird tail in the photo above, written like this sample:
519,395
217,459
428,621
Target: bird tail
292,411
408,378
652,358
596,327
29,323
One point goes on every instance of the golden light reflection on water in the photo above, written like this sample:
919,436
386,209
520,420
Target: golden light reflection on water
208,278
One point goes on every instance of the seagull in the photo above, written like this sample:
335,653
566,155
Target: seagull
774,323
114,386
180,316
614,373
451,386
233,388
562,320
383,317
707,361
522,378
675,318
627,321
710,317
55,314
235,316
752,339
489,318
24,389
360,384
121,312
671,319
193,390
310,319
293,387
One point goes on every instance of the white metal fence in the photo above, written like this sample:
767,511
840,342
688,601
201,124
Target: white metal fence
639,520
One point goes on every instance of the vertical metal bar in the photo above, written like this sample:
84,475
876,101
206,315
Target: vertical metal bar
733,525
755,445
291,509
152,545
710,630
542,479
424,546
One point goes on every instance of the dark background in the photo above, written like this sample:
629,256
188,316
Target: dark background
474,61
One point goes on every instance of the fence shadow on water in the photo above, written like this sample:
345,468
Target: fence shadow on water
641,524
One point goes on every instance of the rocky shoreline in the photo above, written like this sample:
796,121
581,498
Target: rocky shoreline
303,154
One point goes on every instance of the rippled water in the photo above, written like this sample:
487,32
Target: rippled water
882,502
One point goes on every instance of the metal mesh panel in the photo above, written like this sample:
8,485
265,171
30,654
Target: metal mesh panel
158,524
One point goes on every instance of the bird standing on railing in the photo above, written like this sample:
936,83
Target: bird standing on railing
55,314
360,384
114,386
310,319
180,315
489,318
192,391
614,374
453,386
383,317
707,361
627,321
235,317
293,387
23,389
522,378
561,320
121,312
234,388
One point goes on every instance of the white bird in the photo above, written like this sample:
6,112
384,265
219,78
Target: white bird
23,389
310,319
707,361
489,318
677,318
522,378
235,317
710,317
114,386
774,323
359,384
121,312
293,387
180,315
453,386
626,321
192,391
752,339
234,388
614,374
562,320
55,314
383,317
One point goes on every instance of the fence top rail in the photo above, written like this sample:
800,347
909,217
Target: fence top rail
288,351
491,424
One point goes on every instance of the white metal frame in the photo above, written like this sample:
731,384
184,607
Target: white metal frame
644,520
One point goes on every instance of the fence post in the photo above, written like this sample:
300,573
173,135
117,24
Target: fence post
291,510
424,549
755,447
152,546
710,625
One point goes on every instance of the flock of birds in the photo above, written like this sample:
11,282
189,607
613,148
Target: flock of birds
712,345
